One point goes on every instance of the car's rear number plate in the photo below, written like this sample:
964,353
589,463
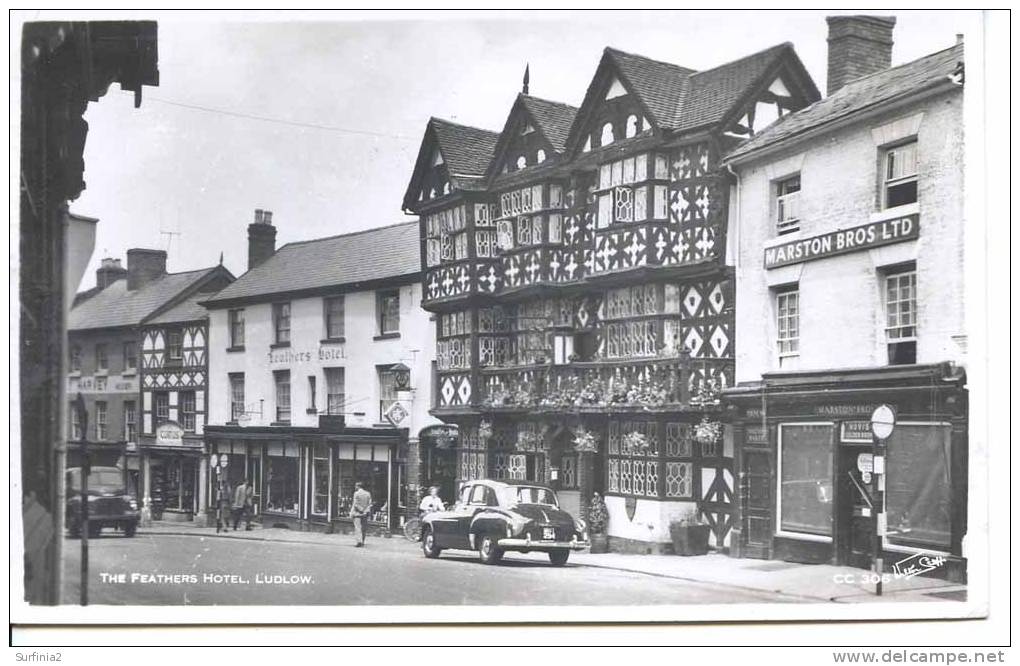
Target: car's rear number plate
548,533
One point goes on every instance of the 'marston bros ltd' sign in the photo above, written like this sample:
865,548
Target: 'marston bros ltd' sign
863,237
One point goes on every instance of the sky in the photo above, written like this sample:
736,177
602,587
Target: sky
319,117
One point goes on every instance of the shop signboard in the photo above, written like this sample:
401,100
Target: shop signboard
171,435
396,414
855,432
863,237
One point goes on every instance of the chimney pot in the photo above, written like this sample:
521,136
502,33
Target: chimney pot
109,271
858,46
959,38
267,217
258,216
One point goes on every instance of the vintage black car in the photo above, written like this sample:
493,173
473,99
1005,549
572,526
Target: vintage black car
493,517
109,503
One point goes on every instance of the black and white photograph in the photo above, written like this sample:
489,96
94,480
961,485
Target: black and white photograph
523,316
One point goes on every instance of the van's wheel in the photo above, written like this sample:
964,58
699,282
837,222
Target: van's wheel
559,557
488,551
428,544
129,529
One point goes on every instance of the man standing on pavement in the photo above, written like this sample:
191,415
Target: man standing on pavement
242,504
222,504
360,508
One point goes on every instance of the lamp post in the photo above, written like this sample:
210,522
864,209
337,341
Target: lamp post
883,421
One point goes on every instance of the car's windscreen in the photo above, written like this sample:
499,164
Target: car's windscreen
530,495
98,478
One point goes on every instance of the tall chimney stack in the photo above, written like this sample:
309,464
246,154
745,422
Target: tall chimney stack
261,238
144,266
858,46
109,271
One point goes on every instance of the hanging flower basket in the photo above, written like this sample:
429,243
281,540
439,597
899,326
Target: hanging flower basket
445,441
485,430
707,432
637,443
527,440
584,441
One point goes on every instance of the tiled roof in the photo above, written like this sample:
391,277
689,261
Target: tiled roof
116,306
659,85
467,150
712,93
857,96
187,310
375,254
554,119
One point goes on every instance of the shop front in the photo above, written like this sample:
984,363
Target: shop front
303,478
171,473
804,454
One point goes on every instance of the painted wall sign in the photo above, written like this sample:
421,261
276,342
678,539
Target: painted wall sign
866,236
333,352
845,410
169,434
102,384
855,432
755,435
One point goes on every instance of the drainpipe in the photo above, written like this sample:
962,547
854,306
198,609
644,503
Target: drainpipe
736,214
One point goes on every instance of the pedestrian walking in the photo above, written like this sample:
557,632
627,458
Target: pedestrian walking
223,498
241,507
361,507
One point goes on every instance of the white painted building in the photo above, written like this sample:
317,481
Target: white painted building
321,374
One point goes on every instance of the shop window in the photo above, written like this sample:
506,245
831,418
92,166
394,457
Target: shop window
236,328
805,479
788,205
282,381
281,323
320,479
788,322
388,311
334,390
901,317
174,346
899,175
237,409
162,404
187,399
282,478
101,423
387,390
102,360
919,490
130,421
76,433
333,316
130,356
75,358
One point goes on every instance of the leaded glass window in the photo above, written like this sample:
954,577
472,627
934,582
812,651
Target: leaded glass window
623,204
460,242
678,440
555,228
661,202
523,231
614,476
679,476
640,204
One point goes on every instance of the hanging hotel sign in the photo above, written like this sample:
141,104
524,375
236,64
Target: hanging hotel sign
396,414
833,243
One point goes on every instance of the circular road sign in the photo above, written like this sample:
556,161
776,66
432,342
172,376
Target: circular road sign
883,420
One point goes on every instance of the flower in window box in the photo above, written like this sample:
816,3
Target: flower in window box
584,441
485,430
636,443
707,432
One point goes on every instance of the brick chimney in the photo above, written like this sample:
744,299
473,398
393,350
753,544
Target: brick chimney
109,271
261,238
144,266
858,46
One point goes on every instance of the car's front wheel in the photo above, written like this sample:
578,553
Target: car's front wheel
559,557
428,544
488,551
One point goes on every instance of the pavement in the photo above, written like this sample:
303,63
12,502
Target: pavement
782,580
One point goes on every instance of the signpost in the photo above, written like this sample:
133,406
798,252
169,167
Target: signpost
883,421
86,468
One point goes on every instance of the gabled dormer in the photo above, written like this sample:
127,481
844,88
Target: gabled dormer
535,133
451,158
629,97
